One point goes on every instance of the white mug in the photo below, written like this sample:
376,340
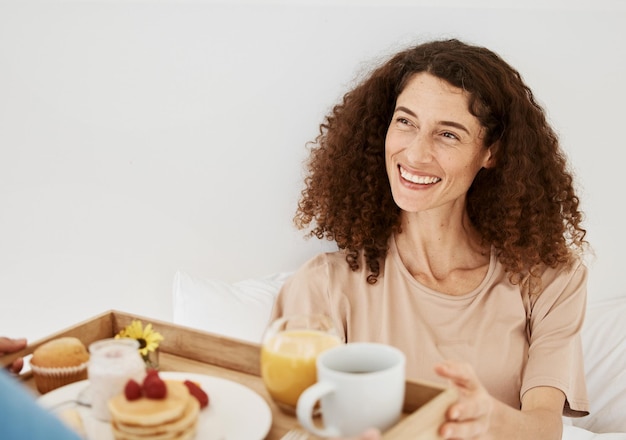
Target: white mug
359,385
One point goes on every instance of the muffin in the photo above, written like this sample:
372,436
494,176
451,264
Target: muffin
59,362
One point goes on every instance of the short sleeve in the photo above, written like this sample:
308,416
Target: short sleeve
555,355
307,292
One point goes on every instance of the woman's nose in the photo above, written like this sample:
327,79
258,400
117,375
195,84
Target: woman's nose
420,149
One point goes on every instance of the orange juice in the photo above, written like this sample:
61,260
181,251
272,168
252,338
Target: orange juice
288,362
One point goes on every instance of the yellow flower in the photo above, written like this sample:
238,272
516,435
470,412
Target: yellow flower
148,339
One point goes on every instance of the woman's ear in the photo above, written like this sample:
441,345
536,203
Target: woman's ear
490,160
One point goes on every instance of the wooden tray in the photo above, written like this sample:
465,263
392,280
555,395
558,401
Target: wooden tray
196,351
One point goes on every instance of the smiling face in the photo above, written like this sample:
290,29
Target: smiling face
434,146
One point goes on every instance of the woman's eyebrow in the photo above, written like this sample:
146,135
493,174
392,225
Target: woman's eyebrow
455,125
405,110
447,123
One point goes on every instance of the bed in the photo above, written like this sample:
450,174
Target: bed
242,309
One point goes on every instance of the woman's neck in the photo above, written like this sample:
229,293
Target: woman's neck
444,253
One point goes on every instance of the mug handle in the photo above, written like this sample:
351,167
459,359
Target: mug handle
306,404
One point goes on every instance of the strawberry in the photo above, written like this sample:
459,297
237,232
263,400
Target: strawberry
198,393
154,387
132,390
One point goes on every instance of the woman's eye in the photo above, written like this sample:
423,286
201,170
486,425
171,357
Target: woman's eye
450,135
403,121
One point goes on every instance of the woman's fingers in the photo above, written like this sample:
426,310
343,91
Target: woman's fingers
468,417
370,434
16,366
460,373
8,345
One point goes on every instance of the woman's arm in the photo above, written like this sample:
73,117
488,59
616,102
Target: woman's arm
477,415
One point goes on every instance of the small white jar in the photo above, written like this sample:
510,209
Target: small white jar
112,363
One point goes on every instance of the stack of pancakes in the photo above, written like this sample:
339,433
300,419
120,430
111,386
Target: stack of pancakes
172,418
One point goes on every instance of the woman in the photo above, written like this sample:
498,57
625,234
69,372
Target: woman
459,236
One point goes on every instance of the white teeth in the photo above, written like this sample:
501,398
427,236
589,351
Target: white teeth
423,180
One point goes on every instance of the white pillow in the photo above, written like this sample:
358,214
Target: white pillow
604,348
239,310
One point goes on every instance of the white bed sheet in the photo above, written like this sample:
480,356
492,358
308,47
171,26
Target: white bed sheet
575,433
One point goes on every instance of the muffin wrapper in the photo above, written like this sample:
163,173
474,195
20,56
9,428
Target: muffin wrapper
48,379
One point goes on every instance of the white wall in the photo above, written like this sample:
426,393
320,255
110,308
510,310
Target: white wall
140,137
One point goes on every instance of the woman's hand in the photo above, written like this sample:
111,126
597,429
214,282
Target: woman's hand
7,346
470,416
467,418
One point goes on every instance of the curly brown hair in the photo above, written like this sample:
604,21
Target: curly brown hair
525,206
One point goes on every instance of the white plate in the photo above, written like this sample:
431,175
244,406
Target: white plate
234,412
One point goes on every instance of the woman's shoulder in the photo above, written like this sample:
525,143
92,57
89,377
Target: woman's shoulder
545,275
330,269
562,283
575,270
333,262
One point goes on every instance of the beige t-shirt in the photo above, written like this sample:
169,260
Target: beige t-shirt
513,343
